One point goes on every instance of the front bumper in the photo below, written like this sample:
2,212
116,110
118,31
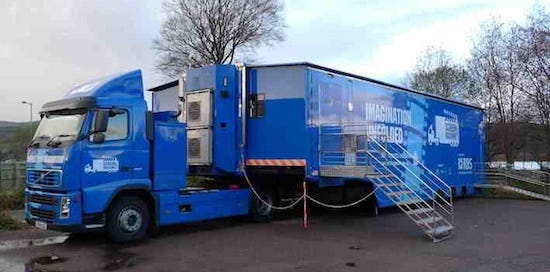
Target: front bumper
63,228
45,207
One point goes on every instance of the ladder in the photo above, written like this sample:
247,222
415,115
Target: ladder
412,187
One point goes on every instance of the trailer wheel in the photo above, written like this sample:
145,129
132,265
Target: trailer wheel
127,219
259,211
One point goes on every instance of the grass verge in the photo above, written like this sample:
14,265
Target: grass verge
12,200
9,201
7,223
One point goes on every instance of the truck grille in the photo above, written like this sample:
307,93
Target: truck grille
46,177
42,214
43,199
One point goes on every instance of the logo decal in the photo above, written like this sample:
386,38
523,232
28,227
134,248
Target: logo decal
444,130
106,165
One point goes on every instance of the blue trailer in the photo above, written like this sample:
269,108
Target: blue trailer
100,161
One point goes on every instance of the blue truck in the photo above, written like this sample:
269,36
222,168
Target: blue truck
260,138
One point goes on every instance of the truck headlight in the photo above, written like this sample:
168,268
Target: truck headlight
65,208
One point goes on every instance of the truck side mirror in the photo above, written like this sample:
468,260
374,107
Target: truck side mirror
99,126
100,121
97,138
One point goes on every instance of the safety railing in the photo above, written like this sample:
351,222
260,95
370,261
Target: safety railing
531,180
426,174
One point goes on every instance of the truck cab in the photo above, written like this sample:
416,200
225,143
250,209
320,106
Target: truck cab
89,151
90,158
100,161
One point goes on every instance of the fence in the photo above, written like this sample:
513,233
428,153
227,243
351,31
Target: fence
12,175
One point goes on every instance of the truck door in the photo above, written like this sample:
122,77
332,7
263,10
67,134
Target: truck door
107,164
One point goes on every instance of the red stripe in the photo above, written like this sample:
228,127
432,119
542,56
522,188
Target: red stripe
276,162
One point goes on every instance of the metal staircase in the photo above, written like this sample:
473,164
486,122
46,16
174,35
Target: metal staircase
413,188
347,151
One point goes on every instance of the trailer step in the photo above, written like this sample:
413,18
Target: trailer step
395,184
196,190
408,202
429,220
440,231
420,211
379,176
400,193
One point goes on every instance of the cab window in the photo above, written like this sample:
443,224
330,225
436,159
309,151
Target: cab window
117,126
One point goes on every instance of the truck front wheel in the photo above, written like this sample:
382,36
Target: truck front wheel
127,219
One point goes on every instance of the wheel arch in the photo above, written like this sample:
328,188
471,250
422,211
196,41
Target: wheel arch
367,184
142,192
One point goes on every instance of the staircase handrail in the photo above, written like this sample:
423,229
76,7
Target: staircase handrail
419,179
429,171
416,194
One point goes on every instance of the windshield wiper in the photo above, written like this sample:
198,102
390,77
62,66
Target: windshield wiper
53,143
35,143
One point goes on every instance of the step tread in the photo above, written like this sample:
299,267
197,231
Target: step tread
442,229
196,190
377,176
408,202
395,185
420,211
429,220
400,193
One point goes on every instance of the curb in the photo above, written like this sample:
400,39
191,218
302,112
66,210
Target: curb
24,243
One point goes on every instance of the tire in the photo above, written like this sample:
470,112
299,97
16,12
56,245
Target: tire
259,211
128,219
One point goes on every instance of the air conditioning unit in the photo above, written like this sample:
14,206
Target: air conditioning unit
199,146
198,107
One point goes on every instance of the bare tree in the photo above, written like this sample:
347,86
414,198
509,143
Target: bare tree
494,66
203,32
508,73
534,52
436,72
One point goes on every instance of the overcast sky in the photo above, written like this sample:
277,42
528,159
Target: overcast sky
48,46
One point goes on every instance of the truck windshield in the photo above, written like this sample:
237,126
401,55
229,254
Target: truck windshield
59,126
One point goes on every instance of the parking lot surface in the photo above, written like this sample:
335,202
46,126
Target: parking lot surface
491,235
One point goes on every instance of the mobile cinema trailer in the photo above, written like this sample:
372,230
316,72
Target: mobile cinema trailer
354,140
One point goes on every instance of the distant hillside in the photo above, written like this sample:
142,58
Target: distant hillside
11,124
14,138
7,128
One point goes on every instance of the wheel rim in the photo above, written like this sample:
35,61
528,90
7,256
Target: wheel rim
130,219
262,208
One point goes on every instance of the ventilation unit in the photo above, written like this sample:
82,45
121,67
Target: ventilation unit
199,109
199,147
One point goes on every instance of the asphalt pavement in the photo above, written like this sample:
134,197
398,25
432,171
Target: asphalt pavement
491,235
